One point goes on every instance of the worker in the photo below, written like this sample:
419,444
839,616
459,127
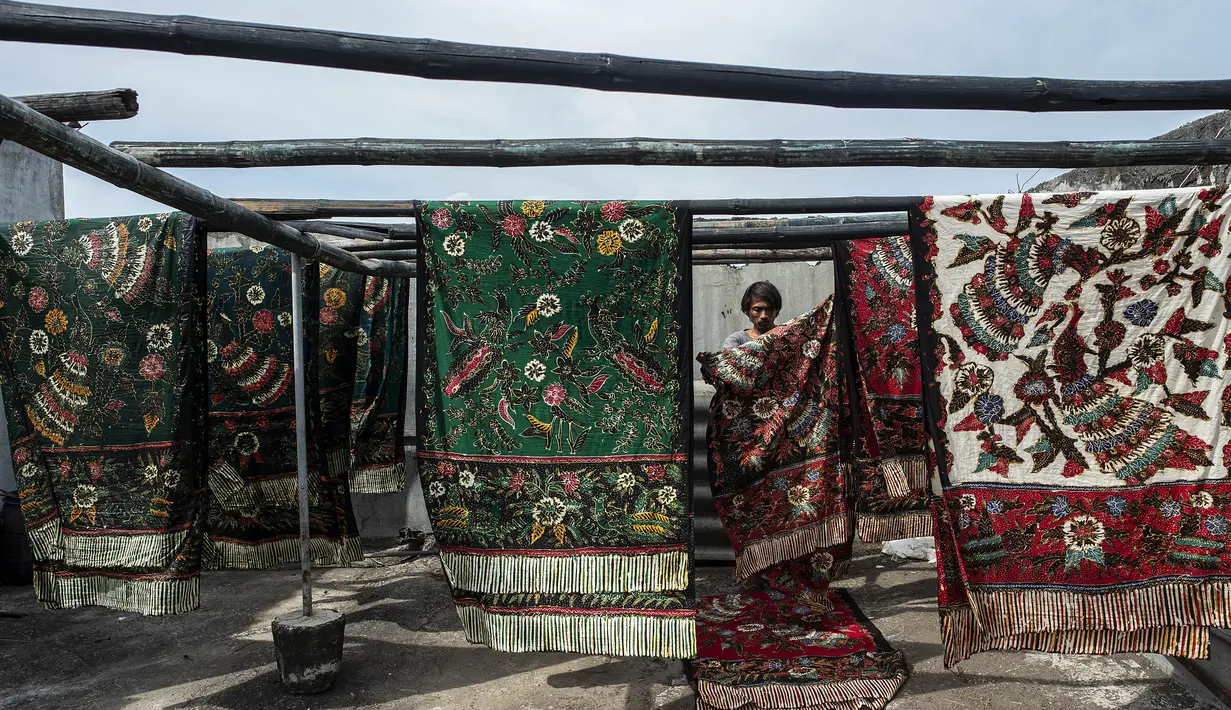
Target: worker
761,303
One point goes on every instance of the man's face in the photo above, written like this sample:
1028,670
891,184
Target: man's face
762,315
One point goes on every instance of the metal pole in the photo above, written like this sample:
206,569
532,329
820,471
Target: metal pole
301,430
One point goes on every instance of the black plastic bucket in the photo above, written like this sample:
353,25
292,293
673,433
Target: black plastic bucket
16,562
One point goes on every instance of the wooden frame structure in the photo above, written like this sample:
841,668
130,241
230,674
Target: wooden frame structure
378,248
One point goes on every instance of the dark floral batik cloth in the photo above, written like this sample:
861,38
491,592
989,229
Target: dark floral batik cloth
253,469
1075,353
779,450
378,403
101,324
554,421
877,295
774,436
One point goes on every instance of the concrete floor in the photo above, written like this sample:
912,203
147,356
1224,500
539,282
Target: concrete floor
405,650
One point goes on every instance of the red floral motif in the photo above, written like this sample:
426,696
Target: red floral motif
513,225
612,211
328,316
441,218
656,472
263,320
151,367
554,394
571,481
37,299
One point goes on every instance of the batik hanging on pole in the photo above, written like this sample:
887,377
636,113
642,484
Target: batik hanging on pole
378,409
1075,347
253,476
554,421
774,446
779,456
102,328
876,294
337,351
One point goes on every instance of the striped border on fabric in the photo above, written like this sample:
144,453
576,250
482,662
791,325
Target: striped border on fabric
381,478
46,540
1166,604
623,634
792,544
903,475
153,596
861,704
230,554
136,550
872,527
854,693
962,639
234,492
579,573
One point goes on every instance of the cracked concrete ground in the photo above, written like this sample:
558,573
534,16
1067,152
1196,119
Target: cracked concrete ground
405,650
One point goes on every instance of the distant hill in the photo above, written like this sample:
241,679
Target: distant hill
1149,177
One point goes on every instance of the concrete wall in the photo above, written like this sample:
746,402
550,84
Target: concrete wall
31,189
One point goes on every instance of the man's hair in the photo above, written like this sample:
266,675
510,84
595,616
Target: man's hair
761,291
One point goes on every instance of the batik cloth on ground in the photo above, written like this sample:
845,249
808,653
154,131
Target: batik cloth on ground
779,445
554,422
102,328
772,650
877,297
1074,355
378,406
254,508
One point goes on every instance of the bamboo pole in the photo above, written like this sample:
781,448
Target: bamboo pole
286,209
435,59
334,230
113,105
21,124
679,152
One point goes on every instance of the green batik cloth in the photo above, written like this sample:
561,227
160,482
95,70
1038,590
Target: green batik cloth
101,326
554,421
378,407
253,517
341,300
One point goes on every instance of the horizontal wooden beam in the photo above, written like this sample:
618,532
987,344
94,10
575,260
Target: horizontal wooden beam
547,152
335,230
382,246
294,209
286,209
436,59
22,124
803,237
713,257
113,105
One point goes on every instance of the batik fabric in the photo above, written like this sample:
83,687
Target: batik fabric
378,405
775,451
253,474
554,423
771,650
779,446
1075,347
876,290
102,327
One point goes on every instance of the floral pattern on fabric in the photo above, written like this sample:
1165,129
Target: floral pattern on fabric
378,406
774,442
1077,342
876,285
100,325
767,649
552,414
253,514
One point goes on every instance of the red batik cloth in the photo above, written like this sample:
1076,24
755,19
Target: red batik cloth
774,442
772,650
876,286
1074,354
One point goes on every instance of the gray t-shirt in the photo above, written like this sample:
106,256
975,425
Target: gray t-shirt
736,339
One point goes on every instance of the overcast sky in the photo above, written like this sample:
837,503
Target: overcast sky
202,98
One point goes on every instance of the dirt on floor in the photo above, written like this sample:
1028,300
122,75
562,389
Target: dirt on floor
405,649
